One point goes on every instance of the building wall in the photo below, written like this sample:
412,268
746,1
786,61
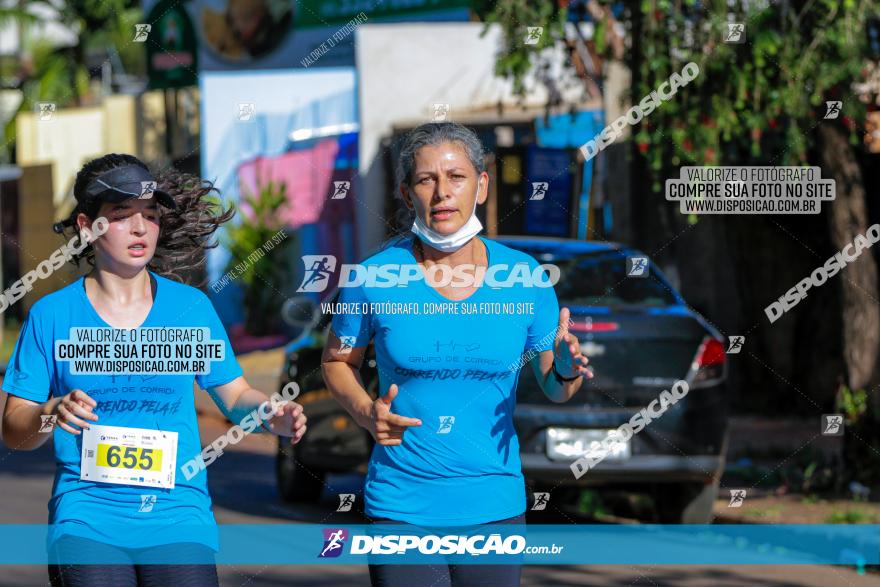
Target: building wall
63,142
50,152
36,239
403,69
120,124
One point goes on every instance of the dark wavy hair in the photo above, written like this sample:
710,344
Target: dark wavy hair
184,233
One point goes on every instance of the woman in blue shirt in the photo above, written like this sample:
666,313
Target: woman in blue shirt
122,434
448,354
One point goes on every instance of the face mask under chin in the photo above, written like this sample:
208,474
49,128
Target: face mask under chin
450,242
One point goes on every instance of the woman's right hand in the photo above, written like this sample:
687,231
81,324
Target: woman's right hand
73,409
386,427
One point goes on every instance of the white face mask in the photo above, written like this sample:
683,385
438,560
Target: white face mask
449,243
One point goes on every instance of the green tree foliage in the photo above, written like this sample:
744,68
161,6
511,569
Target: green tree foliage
258,260
754,102
760,102
515,17
61,74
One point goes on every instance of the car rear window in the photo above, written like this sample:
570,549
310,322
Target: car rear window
599,279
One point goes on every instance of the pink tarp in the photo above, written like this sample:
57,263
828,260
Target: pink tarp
306,173
326,225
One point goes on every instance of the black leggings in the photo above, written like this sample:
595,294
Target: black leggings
447,575
129,567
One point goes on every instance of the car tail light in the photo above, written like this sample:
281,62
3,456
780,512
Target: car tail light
590,326
709,362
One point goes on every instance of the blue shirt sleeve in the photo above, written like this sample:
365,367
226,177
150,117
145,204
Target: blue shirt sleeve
31,366
542,330
357,322
219,372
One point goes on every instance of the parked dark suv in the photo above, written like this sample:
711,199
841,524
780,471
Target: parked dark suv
640,337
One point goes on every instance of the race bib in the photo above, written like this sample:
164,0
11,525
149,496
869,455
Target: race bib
129,456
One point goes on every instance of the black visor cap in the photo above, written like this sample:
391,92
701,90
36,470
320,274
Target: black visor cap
124,183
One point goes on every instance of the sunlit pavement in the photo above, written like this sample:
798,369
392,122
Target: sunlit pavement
242,484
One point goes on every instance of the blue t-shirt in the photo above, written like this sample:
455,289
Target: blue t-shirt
112,513
457,372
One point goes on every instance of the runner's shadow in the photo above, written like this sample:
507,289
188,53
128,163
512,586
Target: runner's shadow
28,463
505,433
245,483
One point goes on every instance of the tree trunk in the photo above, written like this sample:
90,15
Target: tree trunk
848,217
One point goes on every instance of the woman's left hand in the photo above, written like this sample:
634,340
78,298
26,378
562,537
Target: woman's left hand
289,420
570,362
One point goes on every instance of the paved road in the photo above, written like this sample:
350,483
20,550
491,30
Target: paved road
243,487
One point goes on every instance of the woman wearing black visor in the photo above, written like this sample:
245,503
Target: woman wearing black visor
126,492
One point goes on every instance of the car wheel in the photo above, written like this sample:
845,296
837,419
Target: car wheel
296,483
687,503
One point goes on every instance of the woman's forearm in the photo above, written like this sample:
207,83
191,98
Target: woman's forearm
559,392
555,390
344,382
249,400
22,423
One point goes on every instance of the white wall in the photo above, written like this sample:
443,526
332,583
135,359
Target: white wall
72,136
405,68
67,140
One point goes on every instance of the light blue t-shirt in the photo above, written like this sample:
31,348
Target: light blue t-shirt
457,372
111,513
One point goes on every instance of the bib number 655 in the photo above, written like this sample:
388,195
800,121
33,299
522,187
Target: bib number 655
129,457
